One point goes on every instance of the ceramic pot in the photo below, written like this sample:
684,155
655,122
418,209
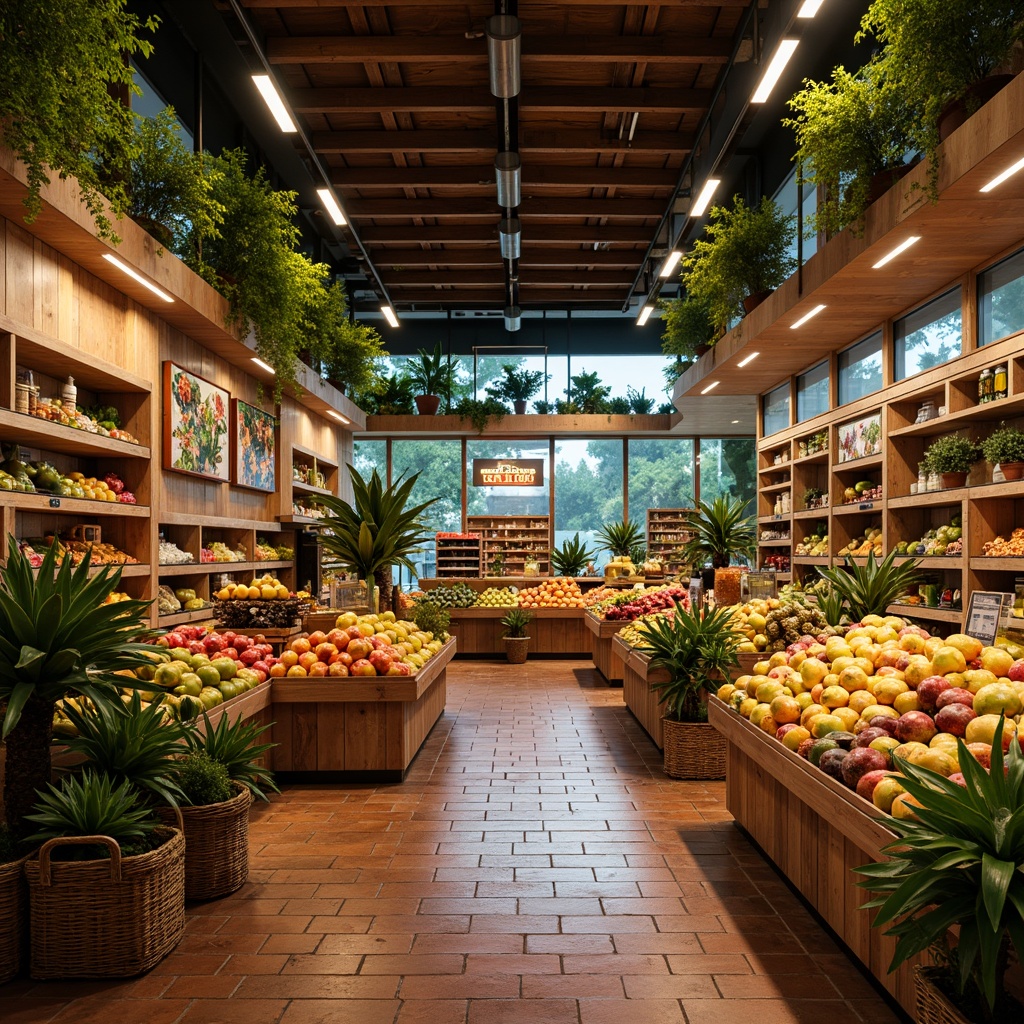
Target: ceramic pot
427,405
953,480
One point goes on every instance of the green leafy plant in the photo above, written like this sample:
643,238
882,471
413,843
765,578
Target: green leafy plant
639,403
432,373
689,329
387,395
869,589
235,745
811,495
1004,445
619,538
638,554
516,621
432,618
93,804
379,530
480,412
203,780
571,558
831,604
345,350
618,406
131,743
64,69
695,648
56,637
517,385
958,864
543,408
848,131
953,453
587,395
720,531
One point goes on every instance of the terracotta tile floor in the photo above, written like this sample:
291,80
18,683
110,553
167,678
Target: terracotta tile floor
536,867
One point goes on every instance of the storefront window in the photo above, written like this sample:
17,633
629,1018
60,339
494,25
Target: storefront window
929,336
661,475
727,468
366,457
860,369
588,488
775,409
507,501
1001,299
812,392
788,198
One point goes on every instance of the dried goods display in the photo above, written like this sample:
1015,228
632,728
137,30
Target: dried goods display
309,510
1000,547
562,592
218,551
774,535
171,554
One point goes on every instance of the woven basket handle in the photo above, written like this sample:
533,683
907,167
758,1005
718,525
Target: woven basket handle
178,818
110,844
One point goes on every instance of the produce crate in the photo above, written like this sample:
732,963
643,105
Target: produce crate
257,613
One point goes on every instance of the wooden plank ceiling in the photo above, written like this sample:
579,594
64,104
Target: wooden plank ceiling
394,95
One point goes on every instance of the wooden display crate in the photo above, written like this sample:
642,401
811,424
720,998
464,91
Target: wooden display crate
553,631
601,636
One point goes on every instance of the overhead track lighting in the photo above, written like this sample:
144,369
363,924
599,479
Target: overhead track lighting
1000,178
273,100
513,318
704,197
339,417
511,236
773,72
893,253
135,276
331,206
671,260
508,173
807,316
389,315
645,315
504,37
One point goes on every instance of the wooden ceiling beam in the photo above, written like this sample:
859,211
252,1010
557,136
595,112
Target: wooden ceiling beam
535,175
669,48
483,233
535,278
483,141
475,100
487,209
391,258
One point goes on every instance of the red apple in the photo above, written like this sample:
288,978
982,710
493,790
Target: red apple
361,667
929,690
915,726
380,661
955,695
861,761
868,781
195,647
953,718
249,656
1016,673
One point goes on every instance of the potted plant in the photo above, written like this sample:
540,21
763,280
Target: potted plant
853,134
694,647
1005,448
387,395
517,386
743,258
952,456
619,538
869,589
107,887
813,496
721,531
587,395
515,637
571,558
431,375
689,330
480,412
13,904
957,864
639,403
65,71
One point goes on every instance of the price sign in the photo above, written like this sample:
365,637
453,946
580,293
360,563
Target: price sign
984,614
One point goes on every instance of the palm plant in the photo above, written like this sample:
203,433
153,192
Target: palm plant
694,647
431,373
56,637
571,558
639,403
388,395
619,538
234,745
869,589
720,531
379,530
515,622
957,863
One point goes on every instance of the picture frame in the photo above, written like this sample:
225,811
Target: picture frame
253,447
196,434
860,438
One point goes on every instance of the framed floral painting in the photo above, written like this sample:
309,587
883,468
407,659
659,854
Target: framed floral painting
254,457
195,425
859,439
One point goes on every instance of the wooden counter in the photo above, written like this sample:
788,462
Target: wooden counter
366,728
553,631
601,634
815,831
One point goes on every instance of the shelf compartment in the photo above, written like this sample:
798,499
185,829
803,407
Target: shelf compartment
991,411
857,465
812,513
205,568
181,618
808,460
765,520
33,432
812,559
784,543
300,488
85,508
859,508
921,611
772,488
954,563
950,496
983,564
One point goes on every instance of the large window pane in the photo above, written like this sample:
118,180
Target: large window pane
929,336
439,464
588,489
812,392
625,374
1001,299
727,468
368,456
775,409
788,198
860,369
661,473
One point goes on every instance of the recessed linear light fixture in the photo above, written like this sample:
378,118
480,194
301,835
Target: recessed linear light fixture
1000,178
773,72
809,8
644,316
807,316
704,197
711,387
331,206
273,100
735,421
747,359
135,276
338,417
389,315
671,261
893,253
264,366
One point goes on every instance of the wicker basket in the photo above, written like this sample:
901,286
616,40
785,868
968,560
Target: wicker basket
516,649
932,1005
14,915
105,918
693,750
216,845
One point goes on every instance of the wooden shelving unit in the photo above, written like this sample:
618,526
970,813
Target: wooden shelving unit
666,535
520,539
310,476
457,556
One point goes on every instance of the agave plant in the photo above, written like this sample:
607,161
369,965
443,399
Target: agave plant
720,531
515,622
619,538
571,558
958,864
869,589
56,637
131,743
831,604
695,647
234,745
379,530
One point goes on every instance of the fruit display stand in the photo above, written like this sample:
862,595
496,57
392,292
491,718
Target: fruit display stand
815,831
357,729
553,631
641,700
602,633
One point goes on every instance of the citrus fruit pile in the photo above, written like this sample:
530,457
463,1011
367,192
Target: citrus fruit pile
562,592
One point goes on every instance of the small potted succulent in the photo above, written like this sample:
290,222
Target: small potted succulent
952,457
517,641
517,386
1005,448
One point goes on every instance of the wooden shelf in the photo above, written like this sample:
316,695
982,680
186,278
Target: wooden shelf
856,465
782,467
784,542
953,562
310,454
181,618
772,488
811,559
765,520
984,564
950,496
294,520
864,508
34,432
203,568
85,508
217,522
920,611
808,460
989,412
300,488
812,513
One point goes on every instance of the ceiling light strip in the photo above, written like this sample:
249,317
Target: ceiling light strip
645,315
331,206
807,316
264,366
389,315
339,417
711,387
1000,178
136,276
272,98
747,359
772,73
809,8
671,262
893,253
704,197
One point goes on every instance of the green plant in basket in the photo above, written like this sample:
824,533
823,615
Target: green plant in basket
620,538
516,621
953,453
235,745
1005,445
571,558
696,648
959,864
203,780
432,618
869,589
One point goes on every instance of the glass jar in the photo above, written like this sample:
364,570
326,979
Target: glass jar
985,386
922,479
934,481
727,585
1000,387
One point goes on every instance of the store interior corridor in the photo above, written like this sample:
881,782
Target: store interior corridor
536,867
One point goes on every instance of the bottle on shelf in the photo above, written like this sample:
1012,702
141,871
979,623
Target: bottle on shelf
69,394
1000,381
985,385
